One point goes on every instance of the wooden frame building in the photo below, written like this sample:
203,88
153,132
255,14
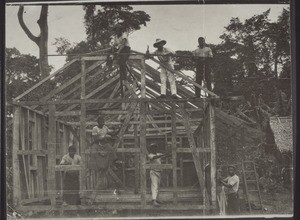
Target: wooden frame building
64,115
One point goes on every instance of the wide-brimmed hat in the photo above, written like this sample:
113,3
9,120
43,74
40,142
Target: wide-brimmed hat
159,41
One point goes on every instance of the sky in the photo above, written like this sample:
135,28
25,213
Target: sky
179,25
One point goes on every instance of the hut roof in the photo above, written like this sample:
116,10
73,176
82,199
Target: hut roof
283,132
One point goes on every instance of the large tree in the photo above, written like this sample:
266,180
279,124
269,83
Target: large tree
100,22
41,40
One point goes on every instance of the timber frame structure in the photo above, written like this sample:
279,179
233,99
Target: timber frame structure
44,128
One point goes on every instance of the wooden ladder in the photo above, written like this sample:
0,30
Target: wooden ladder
251,184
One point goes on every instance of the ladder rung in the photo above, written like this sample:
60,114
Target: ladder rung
252,190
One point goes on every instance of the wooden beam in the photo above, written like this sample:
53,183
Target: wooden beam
69,82
52,152
15,157
143,153
212,143
159,166
136,160
83,127
125,125
198,166
92,101
45,79
174,154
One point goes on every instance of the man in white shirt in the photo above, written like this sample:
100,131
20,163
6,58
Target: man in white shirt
164,73
155,174
232,184
71,178
203,56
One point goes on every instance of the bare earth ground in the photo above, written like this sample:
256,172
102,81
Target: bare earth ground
273,203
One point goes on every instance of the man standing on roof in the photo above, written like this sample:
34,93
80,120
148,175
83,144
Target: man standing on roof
232,183
155,173
164,73
121,45
203,56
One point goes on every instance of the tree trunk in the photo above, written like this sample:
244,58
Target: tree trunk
42,40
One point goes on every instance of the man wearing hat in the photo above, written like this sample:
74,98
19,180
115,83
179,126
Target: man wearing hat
164,73
155,174
232,184
203,56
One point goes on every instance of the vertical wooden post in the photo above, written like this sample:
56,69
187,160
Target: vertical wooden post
137,160
174,155
212,143
143,136
15,157
143,152
51,154
181,165
82,128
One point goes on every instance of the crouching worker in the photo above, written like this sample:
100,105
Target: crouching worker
232,184
71,178
155,174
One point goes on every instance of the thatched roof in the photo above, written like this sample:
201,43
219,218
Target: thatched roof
283,132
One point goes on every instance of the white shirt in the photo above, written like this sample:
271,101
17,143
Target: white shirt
203,52
120,42
164,59
67,160
101,132
234,182
155,161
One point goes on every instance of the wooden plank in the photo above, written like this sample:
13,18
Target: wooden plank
98,89
174,154
125,125
113,206
15,157
143,153
52,152
136,160
68,167
212,143
45,79
116,178
198,166
90,79
143,79
159,166
83,127
70,82
106,100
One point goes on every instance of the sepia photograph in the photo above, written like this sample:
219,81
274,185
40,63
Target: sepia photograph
134,110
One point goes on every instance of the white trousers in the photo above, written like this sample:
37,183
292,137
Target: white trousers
155,182
164,74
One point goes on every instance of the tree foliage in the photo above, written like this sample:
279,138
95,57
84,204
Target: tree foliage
101,21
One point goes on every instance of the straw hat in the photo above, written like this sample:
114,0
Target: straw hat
159,41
